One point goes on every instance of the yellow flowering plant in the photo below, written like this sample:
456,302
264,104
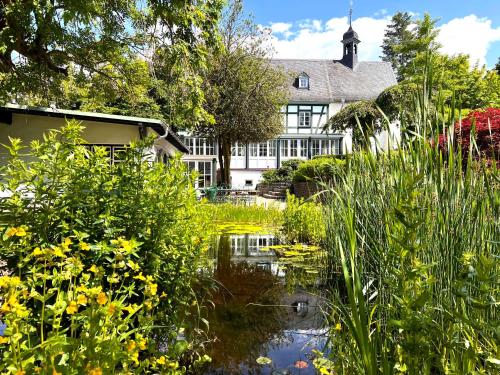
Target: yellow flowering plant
100,259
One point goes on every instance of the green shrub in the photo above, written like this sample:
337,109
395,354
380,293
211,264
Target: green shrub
303,221
98,256
323,169
282,174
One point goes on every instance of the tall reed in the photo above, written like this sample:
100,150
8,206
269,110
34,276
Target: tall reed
413,241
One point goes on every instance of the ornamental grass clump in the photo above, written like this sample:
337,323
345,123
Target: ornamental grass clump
413,239
98,259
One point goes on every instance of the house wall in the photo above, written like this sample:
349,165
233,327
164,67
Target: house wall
32,127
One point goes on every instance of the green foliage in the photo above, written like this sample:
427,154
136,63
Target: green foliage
397,34
231,213
244,92
415,238
323,169
102,255
303,221
40,42
363,118
283,173
414,55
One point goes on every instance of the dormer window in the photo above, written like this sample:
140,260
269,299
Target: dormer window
303,81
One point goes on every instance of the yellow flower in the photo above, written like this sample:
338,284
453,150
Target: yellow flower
161,360
54,372
67,241
140,277
95,371
338,327
133,266
163,295
101,298
153,288
148,304
20,232
131,345
94,269
131,309
82,299
20,372
142,343
82,288
84,246
111,308
11,232
58,252
72,308
4,340
37,252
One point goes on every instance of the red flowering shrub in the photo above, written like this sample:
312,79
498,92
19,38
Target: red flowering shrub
487,134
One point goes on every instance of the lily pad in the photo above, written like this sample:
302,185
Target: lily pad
264,361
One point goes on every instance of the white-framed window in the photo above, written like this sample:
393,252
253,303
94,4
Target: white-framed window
303,81
325,147
284,148
305,119
254,150
272,148
238,149
200,146
204,169
294,144
263,149
304,143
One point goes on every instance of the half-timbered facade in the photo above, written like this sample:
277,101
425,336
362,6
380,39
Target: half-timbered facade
318,90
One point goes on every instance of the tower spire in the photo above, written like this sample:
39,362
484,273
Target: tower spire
350,13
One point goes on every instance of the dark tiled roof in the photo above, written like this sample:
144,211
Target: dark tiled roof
331,81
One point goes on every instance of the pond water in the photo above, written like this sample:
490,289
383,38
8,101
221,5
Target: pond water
266,305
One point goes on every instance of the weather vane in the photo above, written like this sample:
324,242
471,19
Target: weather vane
350,13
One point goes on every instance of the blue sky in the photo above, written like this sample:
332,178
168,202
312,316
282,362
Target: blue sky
468,26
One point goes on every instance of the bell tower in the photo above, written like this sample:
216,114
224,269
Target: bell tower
350,42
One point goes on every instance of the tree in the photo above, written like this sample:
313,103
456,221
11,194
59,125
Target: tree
244,92
398,33
497,66
366,113
41,40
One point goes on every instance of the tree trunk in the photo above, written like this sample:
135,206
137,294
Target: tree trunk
225,160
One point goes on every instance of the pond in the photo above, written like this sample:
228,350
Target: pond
266,304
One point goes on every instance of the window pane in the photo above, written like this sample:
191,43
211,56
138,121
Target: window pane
272,148
315,147
263,149
253,149
210,147
293,148
304,119
284,147
303,148
199,146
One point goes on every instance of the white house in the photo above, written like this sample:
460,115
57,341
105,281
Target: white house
320,89
111,131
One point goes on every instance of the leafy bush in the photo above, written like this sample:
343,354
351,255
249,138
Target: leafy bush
319,169
282,174
98,256
303,221
484,126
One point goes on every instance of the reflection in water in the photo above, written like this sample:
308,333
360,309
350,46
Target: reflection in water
256,313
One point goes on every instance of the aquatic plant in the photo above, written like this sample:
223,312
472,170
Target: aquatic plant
303,221
413,239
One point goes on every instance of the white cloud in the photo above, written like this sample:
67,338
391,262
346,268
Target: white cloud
280,27
313,39
470,35
310,39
